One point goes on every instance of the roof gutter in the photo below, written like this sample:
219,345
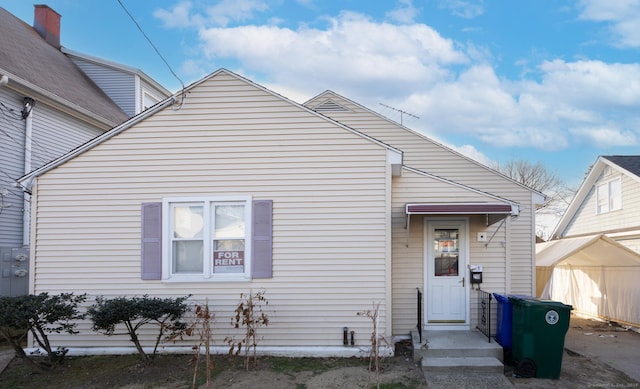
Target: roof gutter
27,88
26,181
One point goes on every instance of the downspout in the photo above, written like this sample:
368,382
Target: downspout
27,114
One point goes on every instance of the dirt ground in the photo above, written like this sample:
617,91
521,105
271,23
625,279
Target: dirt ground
581,368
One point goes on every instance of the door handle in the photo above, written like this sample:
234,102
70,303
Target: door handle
462,282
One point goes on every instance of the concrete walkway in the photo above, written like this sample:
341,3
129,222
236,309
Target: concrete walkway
608,344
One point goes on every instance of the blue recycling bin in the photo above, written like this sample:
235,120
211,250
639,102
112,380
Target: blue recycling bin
503,330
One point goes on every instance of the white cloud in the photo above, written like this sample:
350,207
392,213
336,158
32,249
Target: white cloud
473,153
178,16
607,137
222,13
353,52
623,17
227,11
450,86
405,13
467,9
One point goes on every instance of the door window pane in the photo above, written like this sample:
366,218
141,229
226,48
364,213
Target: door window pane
446,252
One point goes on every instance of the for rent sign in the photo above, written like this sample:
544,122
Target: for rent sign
228,261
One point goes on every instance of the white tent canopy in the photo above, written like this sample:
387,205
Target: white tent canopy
595,274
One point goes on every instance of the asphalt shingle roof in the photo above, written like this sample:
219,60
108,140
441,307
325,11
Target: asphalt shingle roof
24,54
630,163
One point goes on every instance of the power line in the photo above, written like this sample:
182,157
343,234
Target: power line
10,120
154,47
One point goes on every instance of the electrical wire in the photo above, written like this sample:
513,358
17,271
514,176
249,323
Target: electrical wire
11,121
14,181
156,50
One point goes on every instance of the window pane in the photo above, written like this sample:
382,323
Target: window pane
228,256
446,252
188,221
229,221
602,198
615,194
187,256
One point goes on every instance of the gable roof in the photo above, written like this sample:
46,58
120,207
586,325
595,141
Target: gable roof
630,163
393,154
330,105
626,164
35,67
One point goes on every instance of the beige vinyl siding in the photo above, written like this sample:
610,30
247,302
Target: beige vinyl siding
587,221
408,252
424,154
328,187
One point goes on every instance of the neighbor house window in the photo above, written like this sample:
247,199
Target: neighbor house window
149,99
208,238
609,196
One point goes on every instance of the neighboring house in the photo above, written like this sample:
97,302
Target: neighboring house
128,87
327,206
607,202
51,101
593,262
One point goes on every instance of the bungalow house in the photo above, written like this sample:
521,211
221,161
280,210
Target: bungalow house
593,262
52,100
327,206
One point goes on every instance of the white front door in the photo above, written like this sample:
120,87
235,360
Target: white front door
446,286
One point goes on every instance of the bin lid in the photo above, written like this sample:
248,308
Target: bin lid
540,303
521,297
501,298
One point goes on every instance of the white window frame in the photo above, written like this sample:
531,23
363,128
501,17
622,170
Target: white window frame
146,97
603,189
207,273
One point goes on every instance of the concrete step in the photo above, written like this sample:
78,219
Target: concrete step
452,344
462,352
462,364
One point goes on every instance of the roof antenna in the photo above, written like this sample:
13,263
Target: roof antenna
402,113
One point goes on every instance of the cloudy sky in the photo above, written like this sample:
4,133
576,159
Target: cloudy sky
550,81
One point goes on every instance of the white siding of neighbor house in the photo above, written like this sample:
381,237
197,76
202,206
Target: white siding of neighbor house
431,157
408,252
587,221
328,187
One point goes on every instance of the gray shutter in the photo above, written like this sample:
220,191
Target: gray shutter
151,260
261,266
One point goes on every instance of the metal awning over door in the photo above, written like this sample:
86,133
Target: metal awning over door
493,211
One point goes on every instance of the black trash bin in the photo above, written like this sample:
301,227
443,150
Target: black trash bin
538,332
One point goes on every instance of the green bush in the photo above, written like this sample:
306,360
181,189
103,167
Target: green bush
136,312
40,315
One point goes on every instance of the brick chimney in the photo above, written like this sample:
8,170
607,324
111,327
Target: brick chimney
47,23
